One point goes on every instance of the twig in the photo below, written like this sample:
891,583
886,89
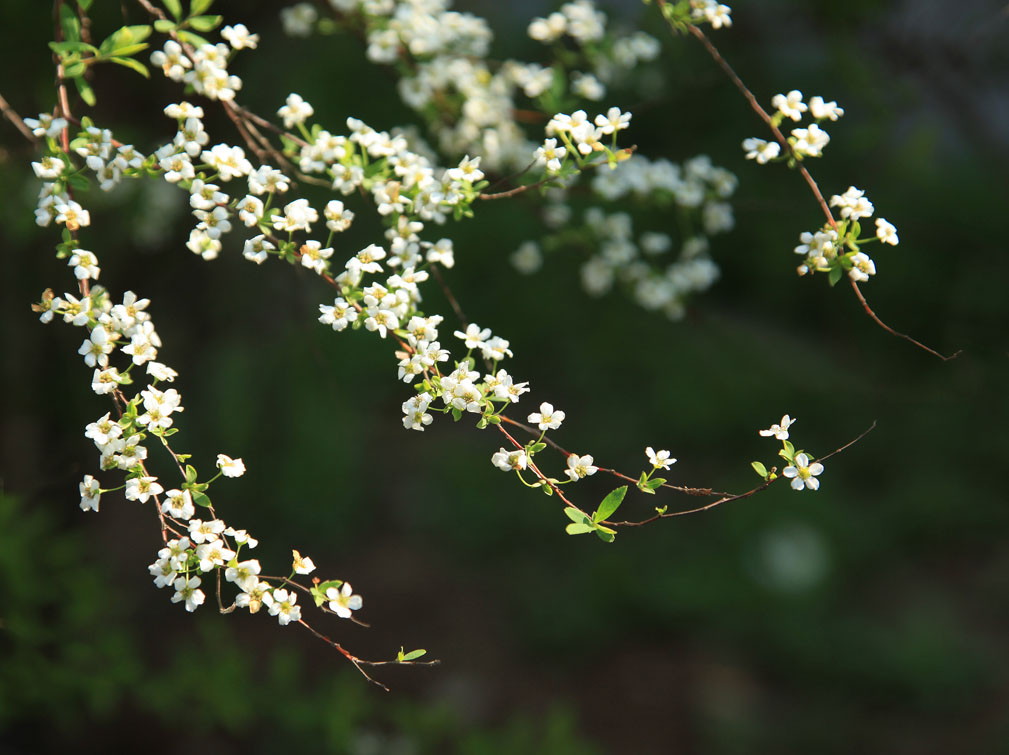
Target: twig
739,497
888,329
526,187
17,120
449,295
615,473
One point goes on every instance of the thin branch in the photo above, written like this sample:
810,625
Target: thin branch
615,473
891,331
526,187
449,295
813,187
10,114
739,497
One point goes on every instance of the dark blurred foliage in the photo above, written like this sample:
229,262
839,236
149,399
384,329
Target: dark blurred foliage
870,616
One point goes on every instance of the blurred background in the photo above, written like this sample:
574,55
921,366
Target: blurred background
870,616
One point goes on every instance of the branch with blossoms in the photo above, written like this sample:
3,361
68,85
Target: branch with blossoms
379,289
837,248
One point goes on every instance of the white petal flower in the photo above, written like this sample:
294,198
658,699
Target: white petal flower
779,431
803,474
343,601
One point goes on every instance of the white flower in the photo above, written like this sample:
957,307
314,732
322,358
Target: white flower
90,493
820,109
779,431
862,267
239,37
295,111
186,589
810,141
886,232
230,467
142,488
659,460
790,105
506,461
178,504
547,418
579,467
760,150
803,474
244,574
301,564
282,605
343,601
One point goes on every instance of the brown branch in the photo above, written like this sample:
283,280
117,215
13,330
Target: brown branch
345,653
740,496
10,114
526,187
449,295
534,468
813,187
556,446
891,331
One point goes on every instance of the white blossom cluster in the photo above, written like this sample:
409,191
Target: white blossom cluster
804,142
469,101
840,249
634,260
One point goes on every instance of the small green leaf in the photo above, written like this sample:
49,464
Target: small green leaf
834,275
136,65
412,655
610,504
456,414
63,48
84,5
789,447
656,482
606,534
196,7
85,91
79,181
205,23
194,39
201,499
174,7
164,26
575,515
70,24
535,448
578,529
191,473
74,70
759,468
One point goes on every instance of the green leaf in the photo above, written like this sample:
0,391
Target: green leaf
656,482
789,447
194,39
205,23
196,7
610,504
174,7
164,25
70,24
759,468
575,515
535,448
62,48
84,5
411,656
201,499
578,529
85,91
606,535
124,38
79,181
834,275
74,70
191,473
136,65
456,414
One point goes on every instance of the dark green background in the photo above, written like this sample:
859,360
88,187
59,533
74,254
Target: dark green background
870,616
